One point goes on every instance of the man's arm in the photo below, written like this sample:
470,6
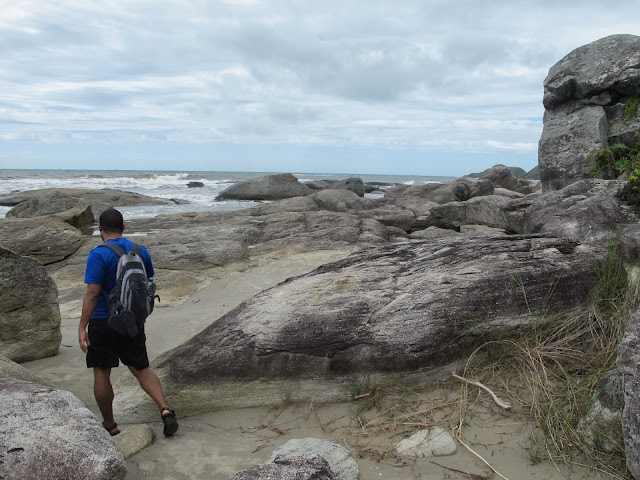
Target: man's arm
89,305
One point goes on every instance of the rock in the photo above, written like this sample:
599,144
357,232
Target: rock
320,184
270,187
409,307
516,171
433,232
584,211
29,313
609,64
503,192
342,463
568,137
501,176
10,369
493,211
195,185
352,184
45,239
584,98
603,420
134,439
79,217
48,434
289,467
629,365
434,442
457,191
47,201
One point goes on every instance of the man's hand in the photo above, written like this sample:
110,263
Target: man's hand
83,338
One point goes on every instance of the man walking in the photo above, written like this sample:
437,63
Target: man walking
104,346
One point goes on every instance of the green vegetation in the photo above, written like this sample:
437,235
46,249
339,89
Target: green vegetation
616,160
631,109
560,362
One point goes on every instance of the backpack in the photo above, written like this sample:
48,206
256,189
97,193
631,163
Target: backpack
133,291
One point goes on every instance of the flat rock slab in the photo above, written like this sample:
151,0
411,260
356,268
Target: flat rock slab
405,308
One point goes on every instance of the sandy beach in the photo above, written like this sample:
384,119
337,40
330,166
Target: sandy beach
218,444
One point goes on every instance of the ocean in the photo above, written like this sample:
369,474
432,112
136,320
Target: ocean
172,185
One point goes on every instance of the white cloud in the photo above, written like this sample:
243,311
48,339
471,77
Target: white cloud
429,74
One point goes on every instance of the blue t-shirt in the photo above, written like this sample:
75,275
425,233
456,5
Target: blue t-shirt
102,267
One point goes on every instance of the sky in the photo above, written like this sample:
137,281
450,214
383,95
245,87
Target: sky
363,86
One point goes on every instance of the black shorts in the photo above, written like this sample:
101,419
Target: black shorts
106,347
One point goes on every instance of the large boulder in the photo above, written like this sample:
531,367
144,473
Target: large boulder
29,313
46,239
410,307
48,434
501,176
355,185
584,95
629,366
47,201
458,191
270,187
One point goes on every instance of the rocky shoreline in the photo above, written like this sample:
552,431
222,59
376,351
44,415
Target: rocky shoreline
401,285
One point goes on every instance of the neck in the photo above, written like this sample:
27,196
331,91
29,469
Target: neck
111,236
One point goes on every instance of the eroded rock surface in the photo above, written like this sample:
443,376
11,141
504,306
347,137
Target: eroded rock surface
29,312
48,434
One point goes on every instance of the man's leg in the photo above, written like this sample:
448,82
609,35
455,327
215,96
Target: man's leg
103,391
150,383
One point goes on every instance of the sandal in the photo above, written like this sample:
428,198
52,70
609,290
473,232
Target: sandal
169,420
113,429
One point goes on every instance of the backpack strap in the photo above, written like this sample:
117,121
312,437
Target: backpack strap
113,247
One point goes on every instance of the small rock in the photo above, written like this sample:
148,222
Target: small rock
134,439
433,442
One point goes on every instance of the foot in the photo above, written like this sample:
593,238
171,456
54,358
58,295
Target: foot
169,420
113,429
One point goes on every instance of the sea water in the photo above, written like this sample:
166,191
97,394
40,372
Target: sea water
172,186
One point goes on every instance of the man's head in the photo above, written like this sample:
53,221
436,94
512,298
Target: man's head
111,221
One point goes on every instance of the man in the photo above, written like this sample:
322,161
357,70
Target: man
105,347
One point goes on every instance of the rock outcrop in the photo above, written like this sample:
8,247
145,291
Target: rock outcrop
270,187
458,191
29,312
45,239
49,434
47,201
585,94
629,366
388,309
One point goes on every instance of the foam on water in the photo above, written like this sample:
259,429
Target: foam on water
169,186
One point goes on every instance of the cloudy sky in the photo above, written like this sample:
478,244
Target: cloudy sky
407,87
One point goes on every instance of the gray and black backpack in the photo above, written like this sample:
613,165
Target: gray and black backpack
133,290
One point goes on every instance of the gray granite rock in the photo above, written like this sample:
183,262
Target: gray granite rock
342,463
629,365
48,434
270,187
307,466
29,312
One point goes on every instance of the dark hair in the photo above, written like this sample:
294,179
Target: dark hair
111,221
